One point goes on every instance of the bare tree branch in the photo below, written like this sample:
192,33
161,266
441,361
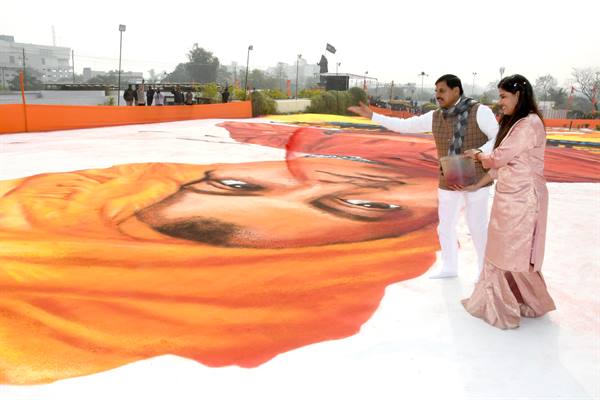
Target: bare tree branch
588,83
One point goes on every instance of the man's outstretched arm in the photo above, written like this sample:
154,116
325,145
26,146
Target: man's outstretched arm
418,124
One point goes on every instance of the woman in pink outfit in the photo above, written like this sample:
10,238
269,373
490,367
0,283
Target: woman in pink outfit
511,284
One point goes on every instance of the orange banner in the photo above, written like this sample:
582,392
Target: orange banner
573,123
391,113
15,118
593,124
12,118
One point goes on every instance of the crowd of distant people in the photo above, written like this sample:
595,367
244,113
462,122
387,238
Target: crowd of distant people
411,106
139,96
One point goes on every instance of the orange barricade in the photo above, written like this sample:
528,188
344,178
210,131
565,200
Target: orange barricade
391,113
41,117
593,124
573,123
12,118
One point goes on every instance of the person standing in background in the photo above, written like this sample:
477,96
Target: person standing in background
149,96
225,94
141,96
129,96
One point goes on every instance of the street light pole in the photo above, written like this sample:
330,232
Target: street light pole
501,72
297,64
121,30
423,75
251,47
24,67
336,67
473,89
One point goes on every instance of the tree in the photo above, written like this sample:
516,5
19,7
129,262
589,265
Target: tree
581,104
153,77
203,65
558,96
542,86
490,94
32,81
260,80
588,84
223,75
180,74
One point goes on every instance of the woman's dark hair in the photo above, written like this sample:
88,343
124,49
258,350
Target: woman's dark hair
452,81
525,105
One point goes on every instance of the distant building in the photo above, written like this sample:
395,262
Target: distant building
305,71
51,61
126,76
89,74
549,112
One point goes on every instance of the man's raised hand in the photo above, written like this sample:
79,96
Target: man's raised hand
362,110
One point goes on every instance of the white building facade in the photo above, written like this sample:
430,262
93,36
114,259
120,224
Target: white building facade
51,61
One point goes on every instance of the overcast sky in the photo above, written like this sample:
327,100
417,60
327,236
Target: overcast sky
392,40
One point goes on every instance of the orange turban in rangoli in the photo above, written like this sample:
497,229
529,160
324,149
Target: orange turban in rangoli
85,286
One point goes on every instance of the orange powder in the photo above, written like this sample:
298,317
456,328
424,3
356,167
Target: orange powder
87,287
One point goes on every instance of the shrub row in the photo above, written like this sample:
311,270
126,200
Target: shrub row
330,102
262,104
336,102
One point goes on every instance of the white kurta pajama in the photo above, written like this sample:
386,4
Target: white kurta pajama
450,201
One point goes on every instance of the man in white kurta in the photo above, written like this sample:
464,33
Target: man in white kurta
481,130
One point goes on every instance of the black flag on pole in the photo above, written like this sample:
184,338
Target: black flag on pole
330,48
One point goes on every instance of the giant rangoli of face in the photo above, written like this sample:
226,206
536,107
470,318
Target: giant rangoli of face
226,264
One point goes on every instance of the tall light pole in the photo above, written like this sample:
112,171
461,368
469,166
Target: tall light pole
247,63
121,30
365,81
297,67
502,69
473,89
422,75
73,62
336,67
24,69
